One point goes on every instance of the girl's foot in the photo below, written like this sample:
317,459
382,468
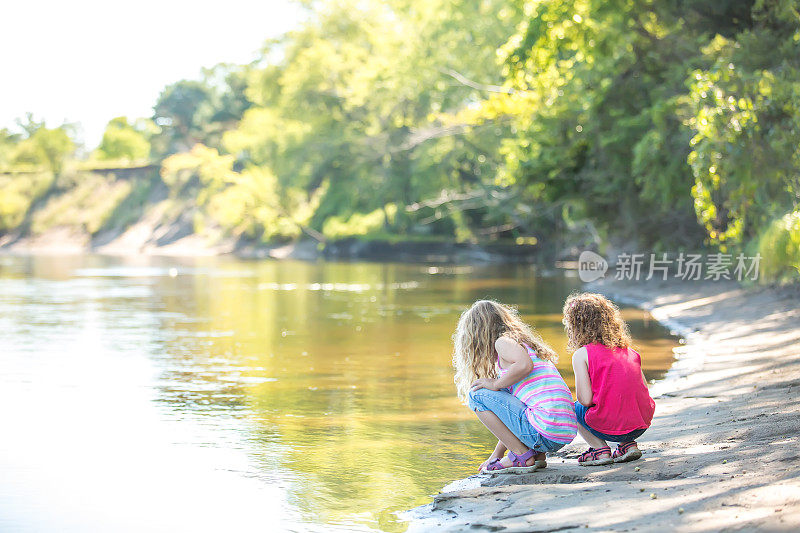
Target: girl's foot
514,464
626,451
596,456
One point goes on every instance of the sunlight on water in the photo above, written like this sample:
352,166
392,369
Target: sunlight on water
218,394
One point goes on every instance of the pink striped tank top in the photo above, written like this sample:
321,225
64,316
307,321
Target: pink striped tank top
549,401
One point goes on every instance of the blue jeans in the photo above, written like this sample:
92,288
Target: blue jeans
580,412
513,413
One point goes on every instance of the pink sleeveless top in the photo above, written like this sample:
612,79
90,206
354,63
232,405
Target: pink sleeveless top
621,401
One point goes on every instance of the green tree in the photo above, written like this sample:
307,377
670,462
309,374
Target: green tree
42,146
200,111
352,101
243,204
8,144
745,116
180,112
595,104
124,141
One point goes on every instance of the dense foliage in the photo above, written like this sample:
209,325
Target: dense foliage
125,142
641,123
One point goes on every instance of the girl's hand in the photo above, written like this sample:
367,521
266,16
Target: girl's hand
484,383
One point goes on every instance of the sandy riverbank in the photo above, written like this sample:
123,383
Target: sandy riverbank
724,449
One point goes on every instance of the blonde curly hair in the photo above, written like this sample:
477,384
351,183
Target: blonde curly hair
590,317
478,329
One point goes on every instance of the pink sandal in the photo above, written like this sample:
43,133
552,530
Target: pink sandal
592,457
626,451
518,464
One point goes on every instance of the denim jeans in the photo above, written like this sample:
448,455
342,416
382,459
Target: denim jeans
513,413
580,413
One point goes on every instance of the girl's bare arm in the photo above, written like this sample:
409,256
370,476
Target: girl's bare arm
514,359
583,386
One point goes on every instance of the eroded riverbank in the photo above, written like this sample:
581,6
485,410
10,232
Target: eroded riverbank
722,451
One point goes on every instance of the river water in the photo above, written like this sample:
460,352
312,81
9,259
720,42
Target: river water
220,394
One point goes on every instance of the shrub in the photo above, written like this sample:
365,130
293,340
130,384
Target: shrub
779,246
337,227
19,191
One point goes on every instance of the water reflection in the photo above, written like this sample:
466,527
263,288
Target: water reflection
327,385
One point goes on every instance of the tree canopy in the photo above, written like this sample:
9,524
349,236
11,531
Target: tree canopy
653,124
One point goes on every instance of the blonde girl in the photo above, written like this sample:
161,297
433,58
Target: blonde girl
505,373
613,402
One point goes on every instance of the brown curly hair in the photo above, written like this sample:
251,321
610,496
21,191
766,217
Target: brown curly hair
478,329
590,317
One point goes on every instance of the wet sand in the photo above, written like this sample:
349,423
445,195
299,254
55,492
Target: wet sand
723,452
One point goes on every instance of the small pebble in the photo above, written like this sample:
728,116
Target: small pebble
653,496
637,469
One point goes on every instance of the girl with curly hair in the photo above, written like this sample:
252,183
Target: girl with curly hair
505,373
613,402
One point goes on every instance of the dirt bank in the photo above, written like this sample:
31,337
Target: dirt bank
724,449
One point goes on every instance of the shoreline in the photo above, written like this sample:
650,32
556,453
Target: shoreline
139,240
720,455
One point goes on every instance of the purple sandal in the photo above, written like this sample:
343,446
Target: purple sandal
517,462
